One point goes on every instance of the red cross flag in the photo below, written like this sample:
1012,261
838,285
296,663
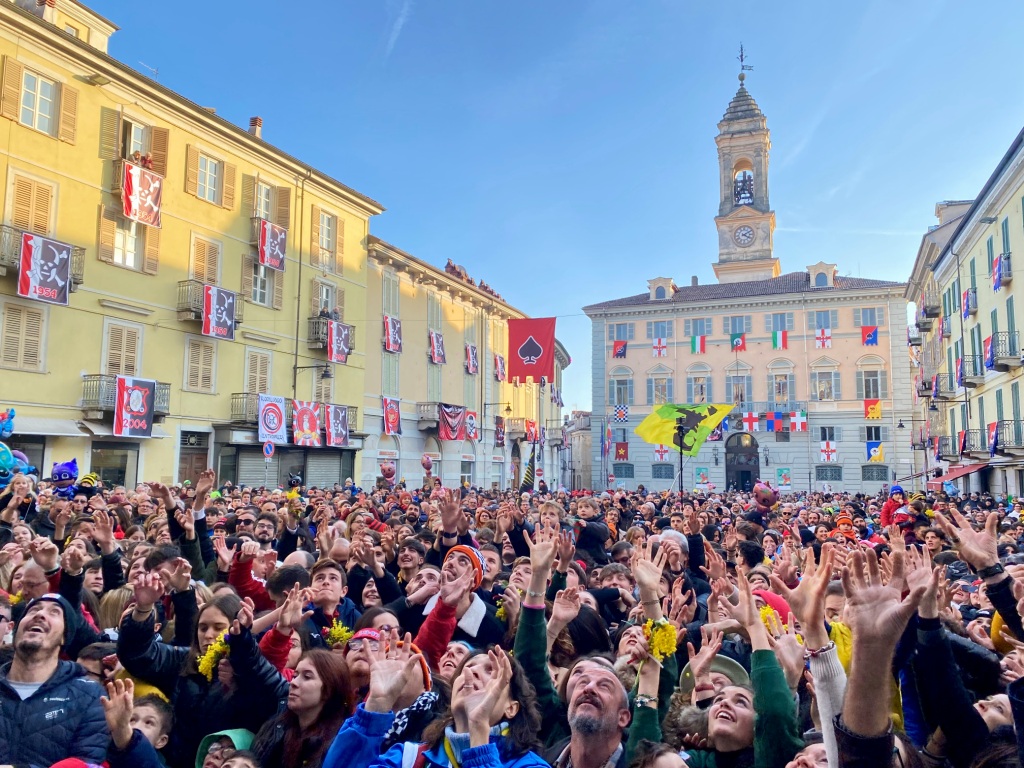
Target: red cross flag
828,451
659,348
661,452
823,338
752,421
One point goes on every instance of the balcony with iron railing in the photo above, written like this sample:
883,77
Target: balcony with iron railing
1011,436
245,410
946,326
924,387
99,394
190,301
976,442
914,337
1005,268
766,406
1007,350
316,333
946,386
948,450
974,371
10,255
931,304
971,297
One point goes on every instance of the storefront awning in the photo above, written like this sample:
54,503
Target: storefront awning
38,425
99,429
953,474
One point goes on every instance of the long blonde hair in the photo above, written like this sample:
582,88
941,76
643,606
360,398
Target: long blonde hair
112,605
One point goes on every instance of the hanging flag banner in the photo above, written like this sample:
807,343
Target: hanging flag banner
702,478
532,434
823,338
437,355
773,421
659,348
218,313
751,421
472,360
738,342
451,422
471,433
828,452
134,405
966,304
993,438
620,413
392,334
339,341
780,339
45,269
530,473
798,421
270,419
869,335
272,244
619,349
661,452
622,452
997,273
306,423
685,427
698,345
783,479
499,368
873,409
141,194
392,416
499,431
990,354
531,343
337,426
876,452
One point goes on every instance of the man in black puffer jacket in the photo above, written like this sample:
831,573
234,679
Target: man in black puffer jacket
49,709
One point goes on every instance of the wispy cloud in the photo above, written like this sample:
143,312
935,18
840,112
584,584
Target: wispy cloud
399,11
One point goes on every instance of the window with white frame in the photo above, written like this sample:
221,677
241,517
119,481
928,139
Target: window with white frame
659,389
868,316
264,200
698,388
200,356
39,102
659,329
262,284
620,435
620,331
739,388
779,321
697,326
830,433
128,243
134,137
327,225
620,391
210,172
825,381
824,318
872,385
736,324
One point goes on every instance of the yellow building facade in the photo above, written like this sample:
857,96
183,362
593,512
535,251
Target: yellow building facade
968,363
447,303
70,117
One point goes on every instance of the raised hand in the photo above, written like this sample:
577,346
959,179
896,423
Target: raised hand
180,577
715,567
543,545
807,600
647,570
244,617
512,601
103,531
502,521
117,708
788,650
44,552
711,644
683,609
566,550
478,707
73,561
390,668
250,549
292,615
424,593
225,554
204,484
747,615
977,548
187,522
874,612
566,606
149,588
452,590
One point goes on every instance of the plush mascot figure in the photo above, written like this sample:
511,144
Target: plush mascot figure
294,486
64,477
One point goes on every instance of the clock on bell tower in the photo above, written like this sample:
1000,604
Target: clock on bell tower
745,220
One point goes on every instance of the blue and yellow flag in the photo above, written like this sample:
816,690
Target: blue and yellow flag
684,427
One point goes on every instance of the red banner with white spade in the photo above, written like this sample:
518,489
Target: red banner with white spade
141,194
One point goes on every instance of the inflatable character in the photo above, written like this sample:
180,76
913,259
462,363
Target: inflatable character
387,471
6,424
64,477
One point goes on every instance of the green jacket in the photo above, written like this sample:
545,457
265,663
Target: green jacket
776,731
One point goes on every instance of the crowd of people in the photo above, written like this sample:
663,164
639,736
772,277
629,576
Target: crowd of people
217,626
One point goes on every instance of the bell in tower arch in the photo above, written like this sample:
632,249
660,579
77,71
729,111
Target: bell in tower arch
743,187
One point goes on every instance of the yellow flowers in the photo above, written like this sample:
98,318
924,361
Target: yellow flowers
661,638
501,614
209,661
338,634
15,599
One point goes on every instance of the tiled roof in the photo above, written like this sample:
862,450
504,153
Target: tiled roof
791,282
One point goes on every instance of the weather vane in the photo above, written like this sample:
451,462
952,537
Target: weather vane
743,66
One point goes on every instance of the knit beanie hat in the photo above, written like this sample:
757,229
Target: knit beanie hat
70,621
894,490
474,556
776,602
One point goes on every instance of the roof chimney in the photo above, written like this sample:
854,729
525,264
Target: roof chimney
256,127
693,281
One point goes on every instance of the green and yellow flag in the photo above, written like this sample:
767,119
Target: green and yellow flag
685,427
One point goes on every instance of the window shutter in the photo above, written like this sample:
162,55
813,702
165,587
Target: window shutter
671,393
227,198
314,298
771,388
668,328
192,376
834,318
199,249
789,321
159,140
151,262
810,322
110,136
837,393
277,278
611,332
726,326
687,328
283,207
768,323
115,350
248,265
748,323
856,317
650,330
885,434
10,93
791,386
862,434
30,209
709,327
728,390
22,333
629,331
108,233
314,230
883,384
860,385
339,246
68,123
650,391
212,263
629,391
130,352
192,170
839,434
248,195
880,316
41,209
813,393
689,389
611,389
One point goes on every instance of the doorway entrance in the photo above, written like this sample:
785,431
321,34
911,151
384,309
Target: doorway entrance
742,462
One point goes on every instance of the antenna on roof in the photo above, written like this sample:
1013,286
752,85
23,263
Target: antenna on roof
156,72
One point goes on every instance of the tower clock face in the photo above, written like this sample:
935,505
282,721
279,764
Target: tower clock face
743,235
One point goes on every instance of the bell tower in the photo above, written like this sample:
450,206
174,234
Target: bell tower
745,220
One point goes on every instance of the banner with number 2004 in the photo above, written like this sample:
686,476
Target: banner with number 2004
134,407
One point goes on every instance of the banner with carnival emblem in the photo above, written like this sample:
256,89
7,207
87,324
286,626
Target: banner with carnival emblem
339,341
134,405
306,423
218,313
272,427
437,355
272,245
45,269
499,368
392,416
392,334
471,433
499,431
337,426
141,194
472,360
451,422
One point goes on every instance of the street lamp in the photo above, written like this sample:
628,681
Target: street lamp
508,408
714,455
325,373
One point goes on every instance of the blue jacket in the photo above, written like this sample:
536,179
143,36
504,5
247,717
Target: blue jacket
64,718
138,753
357,745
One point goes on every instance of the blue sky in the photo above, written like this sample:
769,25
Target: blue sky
564,151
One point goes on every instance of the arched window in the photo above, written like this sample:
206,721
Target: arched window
781,382
821,280
659,292
743,183
825,380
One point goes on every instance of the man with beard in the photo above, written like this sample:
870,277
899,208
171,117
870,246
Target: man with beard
49,709
265,530
598,716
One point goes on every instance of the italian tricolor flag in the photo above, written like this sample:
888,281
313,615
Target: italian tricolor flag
698,345
780,339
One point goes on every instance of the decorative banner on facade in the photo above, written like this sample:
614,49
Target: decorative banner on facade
392,416
997,273
451,422
869,335
619,349
218,313
141,194
966,304
828,452
436,340
306,423
272,427
873,409
499,431
661,452
698,345
990,354
780,339
392,334
339,341
702,478
783,479
622,452
823,338
876,451
134,405
337,426
993,438
272,243
773,421
751,421
499,368
45,269
738,342
471,433
620,413
532,434
798,421
659,347
531,344
472,360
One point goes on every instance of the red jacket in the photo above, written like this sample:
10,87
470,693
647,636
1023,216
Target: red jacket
240,577
889,510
